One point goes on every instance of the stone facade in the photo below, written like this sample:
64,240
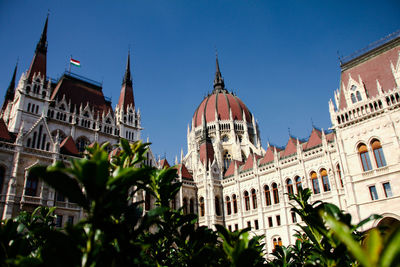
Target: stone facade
355,164
45,120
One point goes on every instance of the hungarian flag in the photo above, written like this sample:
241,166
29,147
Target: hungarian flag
74,62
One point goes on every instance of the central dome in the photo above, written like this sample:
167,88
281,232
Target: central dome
219,105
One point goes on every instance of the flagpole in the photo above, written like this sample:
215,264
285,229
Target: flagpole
70,65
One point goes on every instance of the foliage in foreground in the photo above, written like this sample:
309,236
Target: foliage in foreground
116,231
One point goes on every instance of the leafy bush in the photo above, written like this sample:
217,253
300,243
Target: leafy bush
117,232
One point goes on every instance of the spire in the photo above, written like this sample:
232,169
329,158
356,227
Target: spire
10,90
126,96
39,60
42,44
218,80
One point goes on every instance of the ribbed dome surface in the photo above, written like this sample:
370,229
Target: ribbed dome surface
221,102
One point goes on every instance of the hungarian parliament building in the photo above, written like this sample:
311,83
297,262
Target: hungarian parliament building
228,177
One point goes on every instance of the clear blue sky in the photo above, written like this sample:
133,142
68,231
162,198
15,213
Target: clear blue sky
280,57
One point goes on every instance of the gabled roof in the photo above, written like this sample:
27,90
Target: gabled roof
126,97
81,92
184,171
330,137
372,67
68,147
231,169
164,164
291,147
268,157
249,163
314,140
5,135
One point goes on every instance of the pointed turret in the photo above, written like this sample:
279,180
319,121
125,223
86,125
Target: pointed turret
10,90
39,60
218,80
126,96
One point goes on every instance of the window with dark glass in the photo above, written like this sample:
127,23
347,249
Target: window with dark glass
267,195
236,226
373,193
249,224
314,181
246,200
256,224
254,198
202,209
228,205
191,204
294,219
297,179
378,153
364,156
387,189
289,187
270,223
234,201
59,221
70,220
278,220
2,177
31,186
275,193
217,206
339,173
147,201
325,180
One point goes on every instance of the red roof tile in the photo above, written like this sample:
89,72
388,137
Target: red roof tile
68,147
291,147
231,169
249,163
330,137
371,70
164,164
184,171
314,139
4,133
81,92
222,103
268,157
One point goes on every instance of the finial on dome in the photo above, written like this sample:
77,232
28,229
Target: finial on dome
218,80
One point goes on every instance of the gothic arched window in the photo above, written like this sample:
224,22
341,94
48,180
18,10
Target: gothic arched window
325,180
275,193
234,202
202,208
227,159
254,198
353,98
358,94
267,195
81,143
297,180
314,181
228,206
191,205
185,206
289,187
217,206
31,186
246,200
2,178
339,173
364,156
378,153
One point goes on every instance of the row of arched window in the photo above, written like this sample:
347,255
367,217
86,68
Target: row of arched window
33,108
38,140
377,151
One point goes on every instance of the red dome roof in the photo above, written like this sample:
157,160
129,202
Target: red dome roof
220,102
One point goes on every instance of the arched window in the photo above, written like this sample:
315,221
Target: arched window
364,156
254,198
267,195
81,143
228,206
289,186
279,241
339,173
358,96
202,209
185,206
325,180
28,89
275,193
234,200
191,205
217,207
314,181
246,200
2,177
31,186
378,153
61,136
297,180
353,98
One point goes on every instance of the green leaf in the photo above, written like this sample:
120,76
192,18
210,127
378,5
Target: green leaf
374,245
391,251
